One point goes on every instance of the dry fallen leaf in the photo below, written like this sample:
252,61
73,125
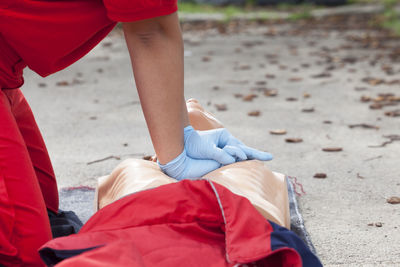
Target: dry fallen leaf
308,110
393,113
373,81
320,175
221,107
261,82
295,79
278,132
360,176
327,122
147,157
270,76
291,99
306,95
42,85
378,224
62,83
254,113
238,95
364,125
294,140
206,59
375,106
332,149
321,75
393,200
365,98
271,92
249,97
244,67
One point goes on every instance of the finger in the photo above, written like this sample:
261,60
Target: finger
235,152
221,156
256,154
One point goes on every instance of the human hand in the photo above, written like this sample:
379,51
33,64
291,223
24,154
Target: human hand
185,167
219,145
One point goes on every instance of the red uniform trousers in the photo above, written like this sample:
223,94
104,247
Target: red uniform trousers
27,183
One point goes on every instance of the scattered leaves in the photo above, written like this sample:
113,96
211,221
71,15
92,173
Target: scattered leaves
278,132
393,113
294,140
320,175
62,83
271,92
254,113
393,200
359,176
295,79
261,82
365,98
221,107
373,81
147,157
244,67
321,75
249,98
308,110
332,149
364,125
391,137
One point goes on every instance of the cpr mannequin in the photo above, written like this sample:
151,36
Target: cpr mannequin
267,191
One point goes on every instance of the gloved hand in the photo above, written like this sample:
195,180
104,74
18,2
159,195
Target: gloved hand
219,145
184,167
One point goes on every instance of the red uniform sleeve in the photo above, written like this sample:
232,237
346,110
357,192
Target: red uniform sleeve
132,10
51,35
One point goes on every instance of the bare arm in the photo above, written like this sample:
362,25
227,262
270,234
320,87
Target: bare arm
156,50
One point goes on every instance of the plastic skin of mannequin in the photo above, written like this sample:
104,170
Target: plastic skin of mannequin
267,191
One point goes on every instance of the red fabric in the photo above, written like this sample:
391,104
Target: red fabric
51,35
190,223
27,183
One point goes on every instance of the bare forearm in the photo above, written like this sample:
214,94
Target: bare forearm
156,51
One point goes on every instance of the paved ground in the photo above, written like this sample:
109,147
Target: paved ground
94,113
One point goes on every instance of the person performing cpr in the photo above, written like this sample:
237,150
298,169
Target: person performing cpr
48,36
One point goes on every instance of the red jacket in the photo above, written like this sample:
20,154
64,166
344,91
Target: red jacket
190,223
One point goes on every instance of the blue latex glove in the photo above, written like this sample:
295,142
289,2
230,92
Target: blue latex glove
219,145
184,167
